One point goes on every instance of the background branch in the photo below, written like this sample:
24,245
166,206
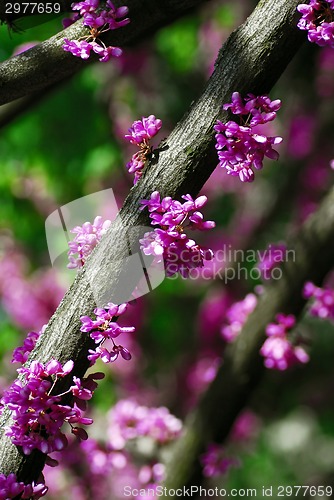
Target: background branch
47,63
243,366
251,60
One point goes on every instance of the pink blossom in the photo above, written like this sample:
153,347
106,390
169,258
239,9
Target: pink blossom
104,327
215,462
239,145
237,315
86,238
170,243
278,350
140,134
322,301
270,258
317,19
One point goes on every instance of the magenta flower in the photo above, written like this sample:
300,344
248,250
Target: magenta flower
237,316
11,488
279,354
21,354
278,350
152,475
323,301
215,462
143,130
108,356
154,203
270,258
40,292
246,427
37,415
108,19
105,327
83,389
98,21
128,421
87,237
261,108
318,20
140,134
202,372
170,243
241,148
78,48
85,6
68,21
160,425
136,164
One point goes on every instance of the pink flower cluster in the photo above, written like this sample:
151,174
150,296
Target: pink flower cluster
170,242
98,21
237,315
87,237
278,350
21,354
105,327
128,421
140,134
270,258
318,20
201,374
129,452
323,301
38,415
110,470
240,147
10,487
215,462
246,427
40,292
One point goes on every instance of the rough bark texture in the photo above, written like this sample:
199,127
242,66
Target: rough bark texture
251,60
48,63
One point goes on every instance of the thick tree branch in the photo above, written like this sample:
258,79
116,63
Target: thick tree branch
252,60
48,63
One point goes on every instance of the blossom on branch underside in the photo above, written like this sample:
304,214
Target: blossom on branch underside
240,146
38,414
279,351
105,327
318,20
98,21
139,134
169,242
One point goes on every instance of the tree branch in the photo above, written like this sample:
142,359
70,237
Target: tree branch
251,60
243,366
47,63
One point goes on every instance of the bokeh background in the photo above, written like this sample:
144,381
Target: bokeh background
69,143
